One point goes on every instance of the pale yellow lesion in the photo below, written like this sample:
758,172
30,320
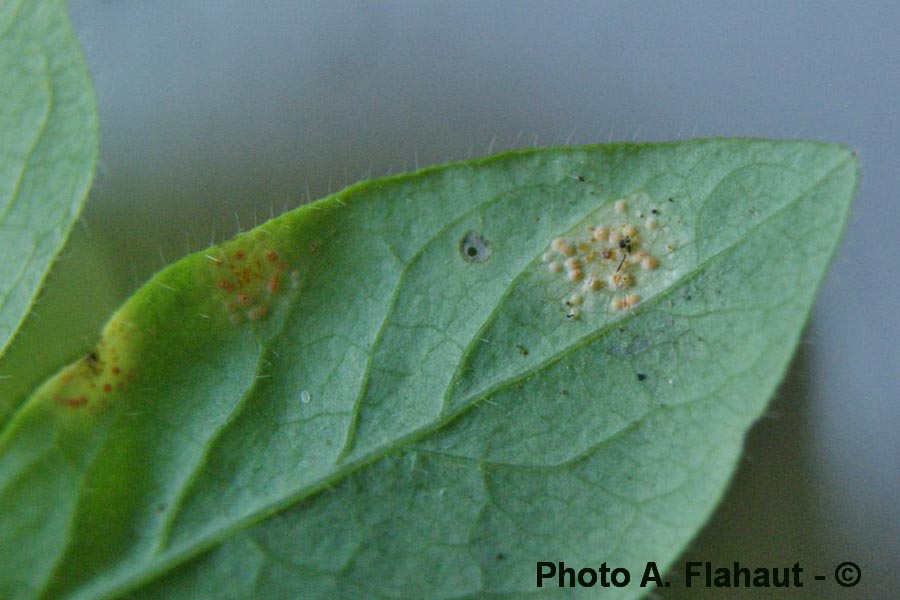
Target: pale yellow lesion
100,375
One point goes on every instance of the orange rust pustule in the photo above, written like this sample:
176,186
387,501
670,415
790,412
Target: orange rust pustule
258,312
73,401
88,382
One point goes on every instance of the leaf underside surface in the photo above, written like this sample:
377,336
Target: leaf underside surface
421,386
48,147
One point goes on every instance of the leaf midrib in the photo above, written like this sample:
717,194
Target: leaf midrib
347,448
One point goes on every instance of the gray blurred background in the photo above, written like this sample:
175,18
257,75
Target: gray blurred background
215,114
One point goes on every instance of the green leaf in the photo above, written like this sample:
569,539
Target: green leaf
48,147
384,394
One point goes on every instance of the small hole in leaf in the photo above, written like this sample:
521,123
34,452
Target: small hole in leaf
474,248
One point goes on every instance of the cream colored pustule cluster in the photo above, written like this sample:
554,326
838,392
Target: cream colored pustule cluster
606,262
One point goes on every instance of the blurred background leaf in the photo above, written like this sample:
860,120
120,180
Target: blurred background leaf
48,146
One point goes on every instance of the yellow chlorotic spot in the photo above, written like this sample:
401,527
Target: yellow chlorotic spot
575,275
651,224
621,206
555,266
93,381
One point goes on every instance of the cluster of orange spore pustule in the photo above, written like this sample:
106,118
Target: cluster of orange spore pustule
94,377
605,258
249,281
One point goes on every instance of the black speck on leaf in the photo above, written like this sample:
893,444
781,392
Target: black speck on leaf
641,376
474,248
